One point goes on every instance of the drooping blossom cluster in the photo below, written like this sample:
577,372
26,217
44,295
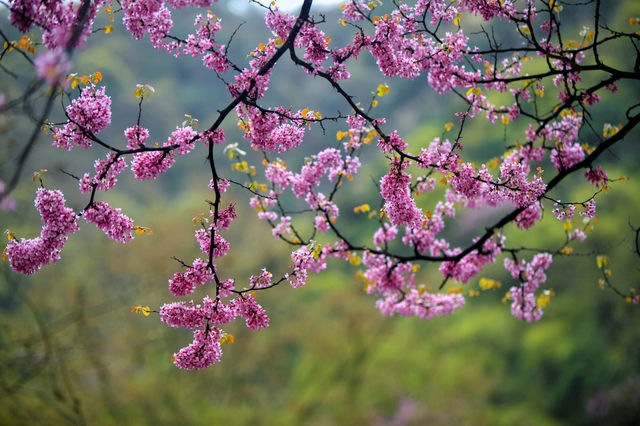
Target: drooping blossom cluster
111,221
205,319
531,276
399,206
29,255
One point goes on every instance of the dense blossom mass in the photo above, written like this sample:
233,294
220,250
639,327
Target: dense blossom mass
423,188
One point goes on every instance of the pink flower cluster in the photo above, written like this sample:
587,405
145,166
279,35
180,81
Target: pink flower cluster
423,305
150,164
27,256
136,137
325,161
203,43
597,176
141,16
394,284
184,138
531,275
399,204
204,319
88,115
267,131
52,65
254,315
304,260
106,172
392,143
205,348
56,18
202,352
184,283
384,235
471,264
111,221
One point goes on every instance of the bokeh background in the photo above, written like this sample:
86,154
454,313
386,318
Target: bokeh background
71,350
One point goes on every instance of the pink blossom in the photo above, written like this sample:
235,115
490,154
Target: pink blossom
220,246
384,235
111,221
202,352
400,205
261,281
181,314
304,260
136,137
596,176
217,313
531,275
589,209
567,155
286,137
529,216
106,172
27,256
88,114
254,315
223,185
52,65
148,165
184,137
392,143
184,283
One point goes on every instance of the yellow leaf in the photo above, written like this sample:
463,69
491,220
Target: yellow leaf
108,29
602,260
362,208
382,90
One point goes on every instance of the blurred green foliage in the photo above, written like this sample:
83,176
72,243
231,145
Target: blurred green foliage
71,351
